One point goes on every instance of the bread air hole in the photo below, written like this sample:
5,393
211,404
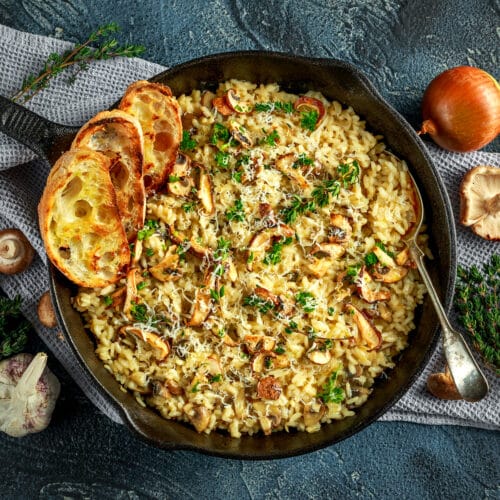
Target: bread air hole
108,257
163,141
105,213
64,253
82,208
72,189
119,175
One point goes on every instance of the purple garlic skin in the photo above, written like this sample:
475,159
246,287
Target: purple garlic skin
28,394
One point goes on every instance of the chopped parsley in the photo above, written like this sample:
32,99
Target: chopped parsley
329,392
262,305
303,161
215,378
331,311
222,251
188,207
148,230
108,300
267,107
149,252
173,178
274,255
292,327
280,349
187,143
195,387
352,271
236,176
298,206
250,258
236,213
348,173
139,312
222,159
220,133
321,194
272,138
306,300
141,285
217,294
309,120
384,249
243,160
371,259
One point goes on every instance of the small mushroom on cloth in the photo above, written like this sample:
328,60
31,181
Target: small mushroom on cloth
480,201
16,252
442,386
28,394
46,313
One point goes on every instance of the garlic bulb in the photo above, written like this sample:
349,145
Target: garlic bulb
28,394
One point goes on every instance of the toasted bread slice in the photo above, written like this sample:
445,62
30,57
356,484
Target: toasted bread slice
160,117
79,220
119,136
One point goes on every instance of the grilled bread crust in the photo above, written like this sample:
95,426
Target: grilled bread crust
160,117
118,135
80,222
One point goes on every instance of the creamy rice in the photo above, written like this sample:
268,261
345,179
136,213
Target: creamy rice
280,348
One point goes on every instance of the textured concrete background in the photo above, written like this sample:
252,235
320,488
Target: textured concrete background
401,46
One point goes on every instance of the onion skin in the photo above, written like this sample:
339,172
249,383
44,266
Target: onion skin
461,109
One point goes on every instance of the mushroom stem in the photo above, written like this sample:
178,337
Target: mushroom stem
29,379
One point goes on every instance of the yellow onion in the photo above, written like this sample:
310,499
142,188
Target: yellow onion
461,109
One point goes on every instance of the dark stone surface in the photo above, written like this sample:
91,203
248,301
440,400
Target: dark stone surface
401,46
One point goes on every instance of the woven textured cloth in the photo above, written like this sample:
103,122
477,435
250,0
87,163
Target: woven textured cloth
22,178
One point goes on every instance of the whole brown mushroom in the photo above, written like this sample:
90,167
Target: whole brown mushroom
442,386
46,313
16,252
480,201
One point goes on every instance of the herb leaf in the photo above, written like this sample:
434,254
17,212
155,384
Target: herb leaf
13,330
274,255
262,305
236,213
306,300
309,120
329,392
187,143
148,230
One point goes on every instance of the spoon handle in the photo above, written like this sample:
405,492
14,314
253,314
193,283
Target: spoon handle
468,377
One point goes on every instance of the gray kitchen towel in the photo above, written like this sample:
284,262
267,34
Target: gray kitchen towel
22,178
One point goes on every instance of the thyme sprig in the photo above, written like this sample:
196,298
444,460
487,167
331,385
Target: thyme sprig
478,303
13,329
80,55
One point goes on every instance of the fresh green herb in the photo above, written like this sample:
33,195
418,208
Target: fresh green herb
223,249
237,213
348,173
222,159
215,378
384,249
274,255
188,206
298,206
173,178
329,392
80,56
266,107
272,138
217,294
331,311
262,305
321,194
309,120
141,285
268,362
292,327
243,160
187,143
148,230
250,258
221,333
14,328
287,107
149,252
182,249
219,270
139,312
279,349
303,161
371,259
236,176
220,133
145,274
477,300
353,271
195,387
311,334
108,300
306,300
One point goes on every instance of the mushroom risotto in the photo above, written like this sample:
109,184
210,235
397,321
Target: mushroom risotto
270,284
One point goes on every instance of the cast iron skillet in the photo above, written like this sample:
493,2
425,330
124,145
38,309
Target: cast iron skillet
336,80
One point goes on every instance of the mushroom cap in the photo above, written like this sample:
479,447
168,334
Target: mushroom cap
16,252
46,313
442,386
480,201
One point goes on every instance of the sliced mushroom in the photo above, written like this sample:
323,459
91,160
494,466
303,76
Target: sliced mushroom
312,417
168,268
263,240
131,293
257,343
262,361
480,201
207,98
285,165
212,365
46,313
231,270
280,361
221,105
319,356
233,100
442,386
265,294
202,306
240,134
340,230
118,297
367,333
160,389
198,415
403,258
366,290
136,253
384,311
174,387
162,346
182,182
392,275
384,258
16,252
205,191
269,416
332,250
306,103
189,244
269,388
187,120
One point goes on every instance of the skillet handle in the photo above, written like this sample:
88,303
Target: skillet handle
30,129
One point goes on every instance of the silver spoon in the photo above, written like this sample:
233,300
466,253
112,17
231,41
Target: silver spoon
468,377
